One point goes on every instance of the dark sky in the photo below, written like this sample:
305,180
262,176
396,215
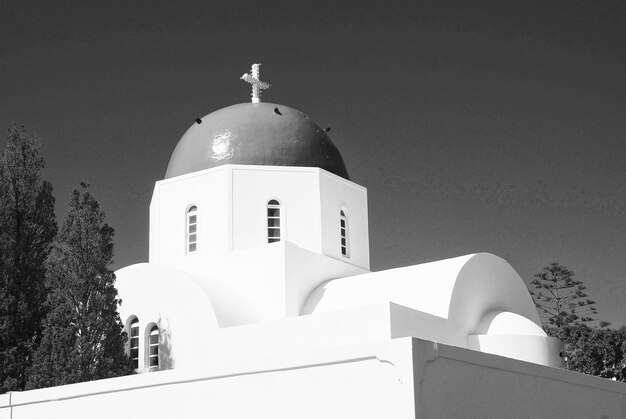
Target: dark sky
476,126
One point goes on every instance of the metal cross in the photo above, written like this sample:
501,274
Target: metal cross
257,85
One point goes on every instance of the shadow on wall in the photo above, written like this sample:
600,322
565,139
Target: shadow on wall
166,360
313,299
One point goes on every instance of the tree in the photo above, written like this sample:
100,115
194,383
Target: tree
565,312
561,300
83,336
27,229
595,351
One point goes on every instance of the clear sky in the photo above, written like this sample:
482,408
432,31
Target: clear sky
491,126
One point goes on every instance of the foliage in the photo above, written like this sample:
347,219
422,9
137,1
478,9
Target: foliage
83,336
594,351
566,313
27,229
561,300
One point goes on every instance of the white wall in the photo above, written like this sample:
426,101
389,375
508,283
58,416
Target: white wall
232,213
295,189
281,280
301,334
339,194
209,191
402,378
462,289
451,297
157,295
542,350
478,385
248,286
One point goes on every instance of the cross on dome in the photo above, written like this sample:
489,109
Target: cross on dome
254,79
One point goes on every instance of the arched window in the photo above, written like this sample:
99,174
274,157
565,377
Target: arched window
343,225
153,348
133,346
192,229
273,221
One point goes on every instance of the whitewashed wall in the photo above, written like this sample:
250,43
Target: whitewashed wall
231,201
402,378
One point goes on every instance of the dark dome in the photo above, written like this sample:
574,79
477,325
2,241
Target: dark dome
258,134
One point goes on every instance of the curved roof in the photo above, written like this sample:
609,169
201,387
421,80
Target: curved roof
462,289
151,287
257,134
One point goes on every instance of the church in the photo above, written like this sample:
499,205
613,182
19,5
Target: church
258,301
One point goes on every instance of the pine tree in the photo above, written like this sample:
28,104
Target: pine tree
83,336
27,229
566,313
562,300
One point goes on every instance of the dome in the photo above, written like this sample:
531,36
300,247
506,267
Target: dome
256,134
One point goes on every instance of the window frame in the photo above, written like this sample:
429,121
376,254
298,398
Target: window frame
149,356
133,325
192,211
344,233
274,221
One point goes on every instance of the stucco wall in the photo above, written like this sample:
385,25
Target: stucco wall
232,213
401,378
209,191
297,192
478,385
339,194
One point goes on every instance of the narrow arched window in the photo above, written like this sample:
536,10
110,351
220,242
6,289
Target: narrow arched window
134,342
153,348
192,229
343,229
273,221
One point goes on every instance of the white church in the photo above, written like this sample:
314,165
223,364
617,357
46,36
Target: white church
258,301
